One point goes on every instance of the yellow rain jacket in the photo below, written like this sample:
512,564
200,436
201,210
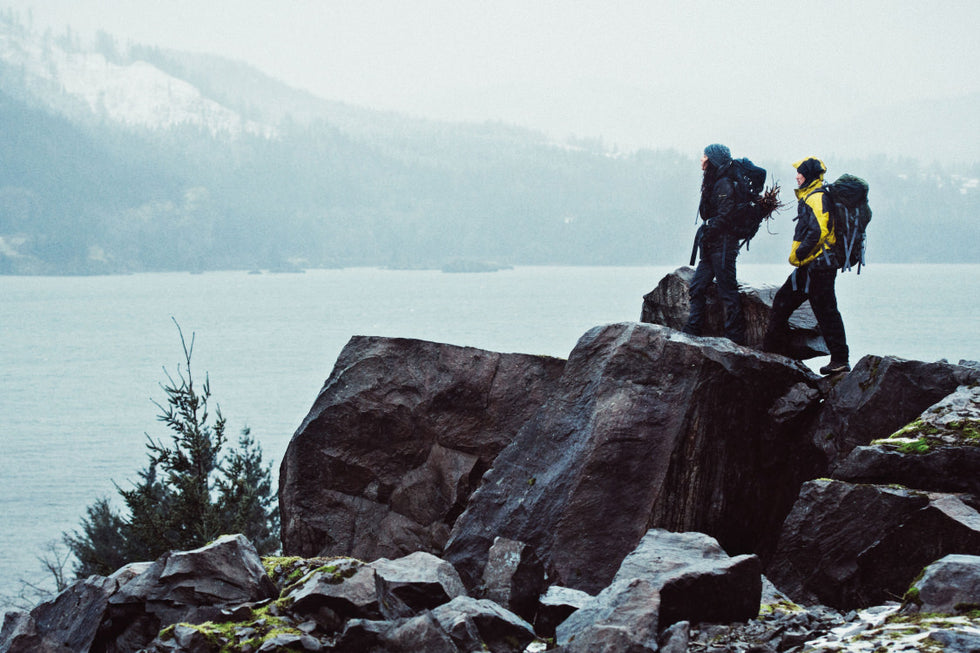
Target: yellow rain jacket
814,235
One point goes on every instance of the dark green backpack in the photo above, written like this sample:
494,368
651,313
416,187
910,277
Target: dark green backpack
846,200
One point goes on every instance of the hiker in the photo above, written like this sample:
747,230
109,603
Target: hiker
814,256
718,246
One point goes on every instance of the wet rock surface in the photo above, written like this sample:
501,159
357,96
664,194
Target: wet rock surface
397,440
668,578
849,546
939,451
951,585
646,428
668,304
881,395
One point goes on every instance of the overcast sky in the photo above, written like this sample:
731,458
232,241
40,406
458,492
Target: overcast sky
634,73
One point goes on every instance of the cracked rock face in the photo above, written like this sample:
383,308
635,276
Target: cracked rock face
939,451
647,428
668,305
851,545
396,441
881,395
950,585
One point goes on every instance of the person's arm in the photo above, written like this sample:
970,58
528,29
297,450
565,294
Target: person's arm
723,203
809,235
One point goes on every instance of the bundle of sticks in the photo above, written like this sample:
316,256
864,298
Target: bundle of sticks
769,202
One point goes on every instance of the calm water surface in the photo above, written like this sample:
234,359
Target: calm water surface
82,357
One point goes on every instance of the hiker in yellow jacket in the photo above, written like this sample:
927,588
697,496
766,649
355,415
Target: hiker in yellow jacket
816,266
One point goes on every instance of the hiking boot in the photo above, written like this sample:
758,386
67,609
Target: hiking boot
834,367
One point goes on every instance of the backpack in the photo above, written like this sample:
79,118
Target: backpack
749,180
846,200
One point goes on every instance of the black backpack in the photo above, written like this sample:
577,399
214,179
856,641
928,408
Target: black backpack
749,180
846,200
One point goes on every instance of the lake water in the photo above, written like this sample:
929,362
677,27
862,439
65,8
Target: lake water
82,357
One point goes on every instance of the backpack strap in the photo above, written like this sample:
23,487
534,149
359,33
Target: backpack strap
794,281
818,189
848,242
697,242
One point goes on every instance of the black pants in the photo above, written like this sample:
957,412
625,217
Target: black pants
717,263
818,287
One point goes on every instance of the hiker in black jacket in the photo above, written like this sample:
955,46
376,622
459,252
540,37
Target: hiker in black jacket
718,246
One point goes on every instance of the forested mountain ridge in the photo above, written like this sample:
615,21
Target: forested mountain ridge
143,159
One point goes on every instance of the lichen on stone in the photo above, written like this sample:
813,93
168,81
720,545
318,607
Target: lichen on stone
918,446
288,572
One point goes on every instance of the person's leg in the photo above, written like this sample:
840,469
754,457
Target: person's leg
724,266
823,300
696,292
788,298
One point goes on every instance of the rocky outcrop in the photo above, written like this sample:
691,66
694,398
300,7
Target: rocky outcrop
684,569
939,451
631,496
480,624
128,609
211,599
899,502
555,606
668,305
70,622
397,439
878,397
950,585
514,577
668,578
849,546
646,428
702,435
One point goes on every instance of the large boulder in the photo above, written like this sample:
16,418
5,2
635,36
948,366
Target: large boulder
514,577
67,623
345,589
939,451
949,585
647,428
624,617
420,580
410,635
855,545
697,580
668,304
878,397
481,624
668,578
396,441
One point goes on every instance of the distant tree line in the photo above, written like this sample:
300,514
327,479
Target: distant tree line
341,186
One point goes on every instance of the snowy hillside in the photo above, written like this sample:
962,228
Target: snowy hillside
134,94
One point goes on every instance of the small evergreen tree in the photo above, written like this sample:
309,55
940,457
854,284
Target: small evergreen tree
187,495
